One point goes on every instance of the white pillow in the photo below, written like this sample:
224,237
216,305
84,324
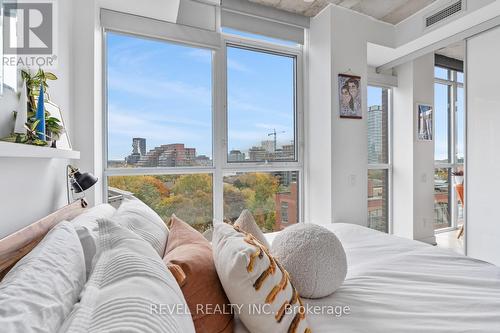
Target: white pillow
40,290
247,223
138,217
252,278
314,257
129,290
88,231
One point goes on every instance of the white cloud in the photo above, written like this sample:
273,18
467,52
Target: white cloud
158,89
200,55
131,126
270,127
237,66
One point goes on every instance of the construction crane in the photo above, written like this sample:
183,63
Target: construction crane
274,133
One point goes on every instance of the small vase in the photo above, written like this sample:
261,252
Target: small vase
40,115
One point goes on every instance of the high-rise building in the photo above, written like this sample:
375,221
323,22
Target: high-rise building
139,145
375,134
171,155
236,156
257,154
203,160
138,150
268,145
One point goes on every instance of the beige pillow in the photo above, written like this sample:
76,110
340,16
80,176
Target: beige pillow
247,223
254,280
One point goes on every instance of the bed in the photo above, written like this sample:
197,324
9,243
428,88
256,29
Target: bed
392,285
399,285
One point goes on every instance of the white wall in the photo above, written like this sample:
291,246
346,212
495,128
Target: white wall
483,147
413,161
318,123
337,148
32,188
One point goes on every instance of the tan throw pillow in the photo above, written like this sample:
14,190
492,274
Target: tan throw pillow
254,280
189,257
247,223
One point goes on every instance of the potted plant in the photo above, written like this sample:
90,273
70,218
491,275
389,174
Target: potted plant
458,177
53,127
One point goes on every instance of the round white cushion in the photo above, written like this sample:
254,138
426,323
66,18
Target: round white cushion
314,258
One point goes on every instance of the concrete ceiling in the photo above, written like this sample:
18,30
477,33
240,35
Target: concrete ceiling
455,51
390,11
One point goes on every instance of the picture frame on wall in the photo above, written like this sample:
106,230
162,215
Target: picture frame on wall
350,96
425,125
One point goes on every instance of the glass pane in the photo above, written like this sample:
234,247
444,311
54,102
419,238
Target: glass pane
378,110
272,197
460,77
442,208
440,73
159,103
261,106
442,122
187,196
460,119
378,200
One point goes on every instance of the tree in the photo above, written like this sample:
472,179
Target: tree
234,202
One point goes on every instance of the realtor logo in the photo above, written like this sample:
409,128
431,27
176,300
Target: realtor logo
33,24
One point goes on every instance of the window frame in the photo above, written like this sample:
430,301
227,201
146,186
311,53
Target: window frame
389,165
220,164
453,85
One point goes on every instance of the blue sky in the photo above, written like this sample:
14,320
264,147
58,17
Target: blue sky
163,92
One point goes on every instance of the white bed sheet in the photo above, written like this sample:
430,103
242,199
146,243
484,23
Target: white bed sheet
399,285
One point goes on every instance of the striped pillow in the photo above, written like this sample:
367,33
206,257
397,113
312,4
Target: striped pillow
255,282
138,217
129,290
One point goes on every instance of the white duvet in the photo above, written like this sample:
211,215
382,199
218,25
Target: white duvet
399,285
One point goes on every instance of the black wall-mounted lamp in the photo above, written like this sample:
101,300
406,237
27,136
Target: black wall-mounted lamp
80,182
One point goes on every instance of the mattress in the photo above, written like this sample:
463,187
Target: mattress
399,285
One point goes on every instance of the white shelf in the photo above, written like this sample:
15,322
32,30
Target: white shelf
8,149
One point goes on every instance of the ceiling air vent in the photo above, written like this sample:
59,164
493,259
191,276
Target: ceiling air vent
444,13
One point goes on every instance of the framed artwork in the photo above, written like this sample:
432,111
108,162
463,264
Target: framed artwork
350,96
63,142
425,122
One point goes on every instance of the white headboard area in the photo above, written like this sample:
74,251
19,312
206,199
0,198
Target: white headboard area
30,188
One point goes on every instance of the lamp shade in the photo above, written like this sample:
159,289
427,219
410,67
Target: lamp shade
83,181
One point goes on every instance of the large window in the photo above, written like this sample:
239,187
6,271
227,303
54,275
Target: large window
448,145
379,167
205,133
261,103
159,104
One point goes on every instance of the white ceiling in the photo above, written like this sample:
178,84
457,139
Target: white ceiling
390,11
455,51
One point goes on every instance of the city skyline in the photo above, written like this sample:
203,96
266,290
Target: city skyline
268,149
163,92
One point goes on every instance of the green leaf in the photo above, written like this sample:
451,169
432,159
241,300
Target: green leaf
50,76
